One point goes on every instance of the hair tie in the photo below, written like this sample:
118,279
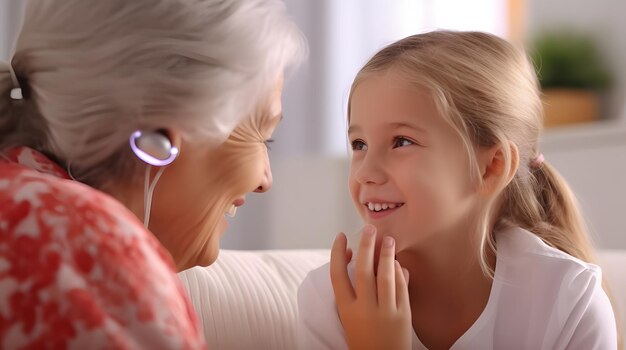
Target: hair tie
537,163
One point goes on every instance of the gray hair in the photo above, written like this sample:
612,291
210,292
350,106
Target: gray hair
99,70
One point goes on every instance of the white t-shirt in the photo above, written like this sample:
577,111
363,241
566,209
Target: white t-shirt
541,298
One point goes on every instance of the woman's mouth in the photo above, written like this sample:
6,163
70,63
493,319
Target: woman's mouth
232,209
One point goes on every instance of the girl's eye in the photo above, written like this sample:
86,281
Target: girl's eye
402,142
359,145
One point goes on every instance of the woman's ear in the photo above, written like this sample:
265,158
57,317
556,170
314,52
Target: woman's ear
174,136
496,171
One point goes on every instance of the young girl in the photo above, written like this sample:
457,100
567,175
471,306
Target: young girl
447,174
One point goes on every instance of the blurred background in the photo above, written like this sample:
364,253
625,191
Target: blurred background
580,50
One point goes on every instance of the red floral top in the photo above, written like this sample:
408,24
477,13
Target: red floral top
79,271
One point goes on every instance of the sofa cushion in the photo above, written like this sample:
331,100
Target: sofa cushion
248,299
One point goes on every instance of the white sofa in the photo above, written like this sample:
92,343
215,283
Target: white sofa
247,299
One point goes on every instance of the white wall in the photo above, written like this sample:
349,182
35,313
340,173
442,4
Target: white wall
593,161
10,19
3,31
308,205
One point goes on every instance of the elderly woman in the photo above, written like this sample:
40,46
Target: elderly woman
122,121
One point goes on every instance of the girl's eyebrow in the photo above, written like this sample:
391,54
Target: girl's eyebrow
394,125
397,125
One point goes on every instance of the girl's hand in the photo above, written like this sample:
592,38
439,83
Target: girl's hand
376,313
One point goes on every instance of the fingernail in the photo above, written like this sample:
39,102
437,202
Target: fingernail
340,235
369,230
388,241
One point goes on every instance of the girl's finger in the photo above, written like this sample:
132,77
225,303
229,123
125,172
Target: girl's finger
365,281
339,271
386,275
402,288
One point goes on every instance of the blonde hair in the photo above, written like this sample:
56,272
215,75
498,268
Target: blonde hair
98,70
487,90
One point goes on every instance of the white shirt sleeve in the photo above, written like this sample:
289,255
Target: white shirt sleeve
319,326
591,324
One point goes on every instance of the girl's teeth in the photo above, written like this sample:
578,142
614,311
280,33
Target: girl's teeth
232,211
383,206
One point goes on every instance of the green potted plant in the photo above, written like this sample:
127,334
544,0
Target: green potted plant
571,75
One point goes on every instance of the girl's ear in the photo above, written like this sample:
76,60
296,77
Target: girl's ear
495,170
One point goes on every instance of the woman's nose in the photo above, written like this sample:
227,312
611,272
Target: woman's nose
266,182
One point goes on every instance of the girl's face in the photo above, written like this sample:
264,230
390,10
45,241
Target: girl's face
204,184
409,173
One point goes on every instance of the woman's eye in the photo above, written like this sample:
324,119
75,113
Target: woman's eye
267,143
402,142
358,145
